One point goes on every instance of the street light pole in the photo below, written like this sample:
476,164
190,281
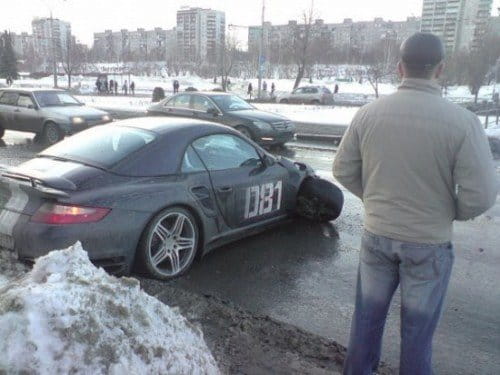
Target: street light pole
54,57
261,50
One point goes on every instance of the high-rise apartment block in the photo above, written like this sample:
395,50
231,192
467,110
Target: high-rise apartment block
460,23
50,36
200,34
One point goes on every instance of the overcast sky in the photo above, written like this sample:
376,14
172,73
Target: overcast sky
89,16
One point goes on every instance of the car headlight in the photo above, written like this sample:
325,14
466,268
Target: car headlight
106,118
263,125
77,120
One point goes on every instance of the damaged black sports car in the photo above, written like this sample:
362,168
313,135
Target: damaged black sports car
155,193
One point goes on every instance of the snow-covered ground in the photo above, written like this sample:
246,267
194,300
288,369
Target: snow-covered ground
67,316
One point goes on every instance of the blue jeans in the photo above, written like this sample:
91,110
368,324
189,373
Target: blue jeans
423,272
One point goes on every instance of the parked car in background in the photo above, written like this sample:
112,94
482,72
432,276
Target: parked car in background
308,95
51,114
264,128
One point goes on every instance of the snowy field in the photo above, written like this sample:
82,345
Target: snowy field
145,85
66,316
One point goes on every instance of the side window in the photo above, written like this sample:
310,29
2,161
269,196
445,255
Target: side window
191,162
9,98
25,101
313,90
202,103
226,151
298,91
180,101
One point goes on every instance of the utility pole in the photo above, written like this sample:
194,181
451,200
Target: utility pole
261,50
54,55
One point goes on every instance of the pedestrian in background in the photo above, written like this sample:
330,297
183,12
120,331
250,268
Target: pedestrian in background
418,162
125,88
336,90
176,86
132,88
264,86
250,90
105,86
116,87
111,86
273,89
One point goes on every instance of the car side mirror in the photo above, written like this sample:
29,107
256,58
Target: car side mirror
269,160
213,111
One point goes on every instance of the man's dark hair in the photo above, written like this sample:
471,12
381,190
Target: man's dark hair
421,53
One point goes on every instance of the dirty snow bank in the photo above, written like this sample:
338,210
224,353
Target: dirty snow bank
67,316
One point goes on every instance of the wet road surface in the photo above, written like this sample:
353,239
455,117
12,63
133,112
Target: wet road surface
304,274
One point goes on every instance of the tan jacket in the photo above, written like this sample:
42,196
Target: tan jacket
418,162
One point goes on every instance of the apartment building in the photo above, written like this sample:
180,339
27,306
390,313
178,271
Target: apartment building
460,23
138,45
50,36
200,34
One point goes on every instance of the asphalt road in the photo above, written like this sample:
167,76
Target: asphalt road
304,274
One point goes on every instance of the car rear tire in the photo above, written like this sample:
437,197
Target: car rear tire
319,200
315,102
245,131
52,133
169,244
284,101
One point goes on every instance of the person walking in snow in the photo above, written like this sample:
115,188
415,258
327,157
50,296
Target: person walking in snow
264,86
132,88
125,88
250,90
418,162
176,86
273,89
116,87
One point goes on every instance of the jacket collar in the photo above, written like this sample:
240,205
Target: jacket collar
419,84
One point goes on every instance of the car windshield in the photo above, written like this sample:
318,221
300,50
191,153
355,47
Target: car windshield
228,103
101,146
55,99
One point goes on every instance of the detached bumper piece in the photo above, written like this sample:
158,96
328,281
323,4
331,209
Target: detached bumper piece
319,200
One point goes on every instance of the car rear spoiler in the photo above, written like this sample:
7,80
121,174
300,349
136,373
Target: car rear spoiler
51,186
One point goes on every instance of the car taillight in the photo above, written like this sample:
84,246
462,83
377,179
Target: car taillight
50,213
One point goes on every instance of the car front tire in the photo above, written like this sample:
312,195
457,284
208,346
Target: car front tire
52,133
319,200
245,131
284,101
169,244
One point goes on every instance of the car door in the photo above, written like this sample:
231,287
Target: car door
179,106
248,190
8,102
205,109
26,115
297,95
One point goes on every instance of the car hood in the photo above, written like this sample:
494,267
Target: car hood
73,111
257,115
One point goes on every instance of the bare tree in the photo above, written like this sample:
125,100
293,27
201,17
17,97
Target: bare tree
482,61
301,42
381,61
73,57
229,56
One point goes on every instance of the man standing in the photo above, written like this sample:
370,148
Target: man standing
418,162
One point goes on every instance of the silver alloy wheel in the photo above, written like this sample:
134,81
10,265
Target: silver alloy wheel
172,244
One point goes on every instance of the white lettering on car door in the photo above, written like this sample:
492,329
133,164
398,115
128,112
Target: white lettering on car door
263,199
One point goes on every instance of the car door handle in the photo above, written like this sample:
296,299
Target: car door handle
225,189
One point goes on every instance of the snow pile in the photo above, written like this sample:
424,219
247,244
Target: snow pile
67,316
